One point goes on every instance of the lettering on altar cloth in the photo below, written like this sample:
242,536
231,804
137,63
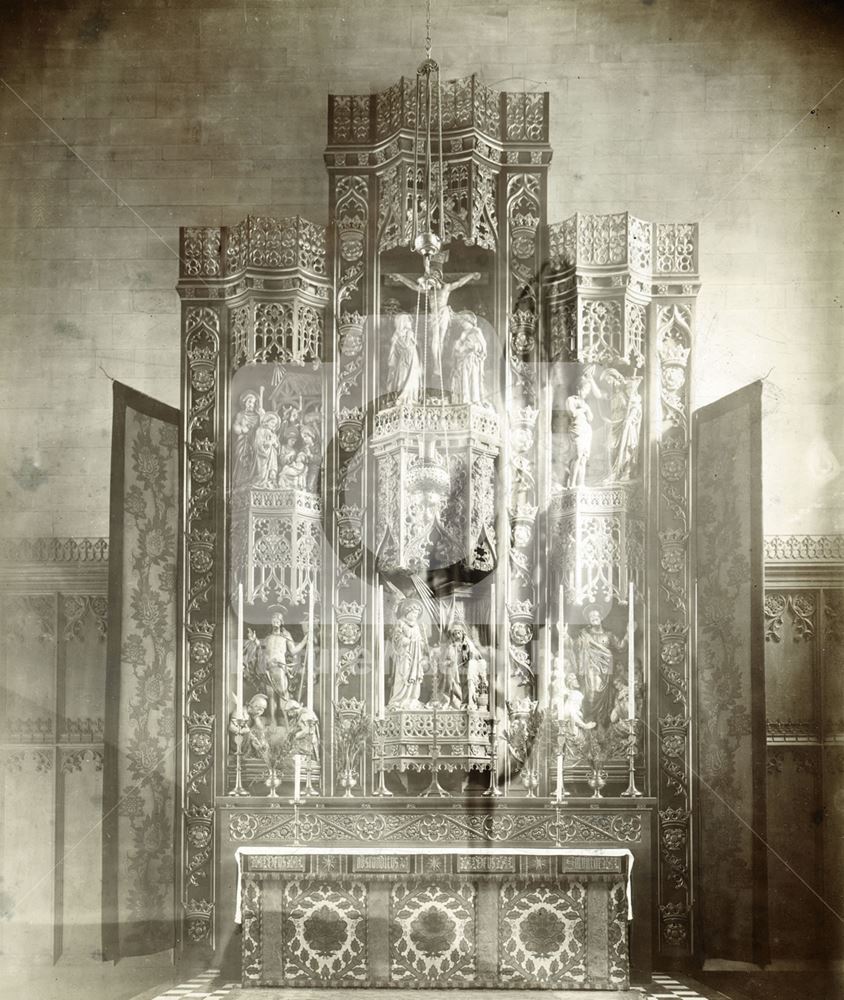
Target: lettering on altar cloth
486,863
582,865
381,863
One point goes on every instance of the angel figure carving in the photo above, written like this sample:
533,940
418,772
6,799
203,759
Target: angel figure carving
410,656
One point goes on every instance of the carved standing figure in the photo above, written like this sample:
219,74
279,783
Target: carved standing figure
266,450
467,374
594,653
472,661
409,655
573,705
243,429
272,659
439,292
625,431
580,433
404,372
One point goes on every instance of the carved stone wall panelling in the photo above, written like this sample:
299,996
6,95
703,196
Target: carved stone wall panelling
202,340
791,665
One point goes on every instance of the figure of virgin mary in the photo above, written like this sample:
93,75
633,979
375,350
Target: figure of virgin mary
404,372
409,656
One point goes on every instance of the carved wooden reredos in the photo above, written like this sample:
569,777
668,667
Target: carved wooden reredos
536,444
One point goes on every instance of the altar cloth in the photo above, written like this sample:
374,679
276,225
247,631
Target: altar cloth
434,917
610,852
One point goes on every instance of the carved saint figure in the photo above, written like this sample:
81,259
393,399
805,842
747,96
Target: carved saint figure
467,375
404,372
306,734
272,658
624,439
594,653
266,450
292,461
439,292
472,661
573,705
409,655
243,429
580,433
619,709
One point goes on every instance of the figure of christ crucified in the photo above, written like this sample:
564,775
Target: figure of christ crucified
439,310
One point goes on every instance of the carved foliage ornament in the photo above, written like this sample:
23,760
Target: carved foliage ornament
202,352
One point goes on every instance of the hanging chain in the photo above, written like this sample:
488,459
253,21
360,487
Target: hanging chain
428,28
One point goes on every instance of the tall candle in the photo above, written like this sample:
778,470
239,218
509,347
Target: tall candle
381,659
505,644
561,651
559,776
492,656
310,654
631,658
297,776
239,651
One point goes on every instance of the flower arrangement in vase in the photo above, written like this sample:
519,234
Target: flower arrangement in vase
352,734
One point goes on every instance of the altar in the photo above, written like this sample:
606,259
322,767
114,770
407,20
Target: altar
436,654
551,918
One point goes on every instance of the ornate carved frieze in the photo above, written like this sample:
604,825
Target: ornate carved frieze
804,548
54,550
466,104
564,826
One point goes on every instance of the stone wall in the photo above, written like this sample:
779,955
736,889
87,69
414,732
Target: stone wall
192,113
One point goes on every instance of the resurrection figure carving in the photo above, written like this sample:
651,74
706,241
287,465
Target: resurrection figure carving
245,424
272,659
594,655
467,375
409,656
439,292
404,373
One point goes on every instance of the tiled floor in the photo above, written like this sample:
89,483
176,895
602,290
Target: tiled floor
208,985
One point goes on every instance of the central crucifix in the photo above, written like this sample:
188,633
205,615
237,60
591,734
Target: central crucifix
436,292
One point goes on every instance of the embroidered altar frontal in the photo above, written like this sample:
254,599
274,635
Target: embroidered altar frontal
511,920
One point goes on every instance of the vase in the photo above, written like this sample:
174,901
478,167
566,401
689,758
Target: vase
597,781
348,780
272,782
530,780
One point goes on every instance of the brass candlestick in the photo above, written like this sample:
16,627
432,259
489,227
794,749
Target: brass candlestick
239,728
493,791
631,792
380,736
